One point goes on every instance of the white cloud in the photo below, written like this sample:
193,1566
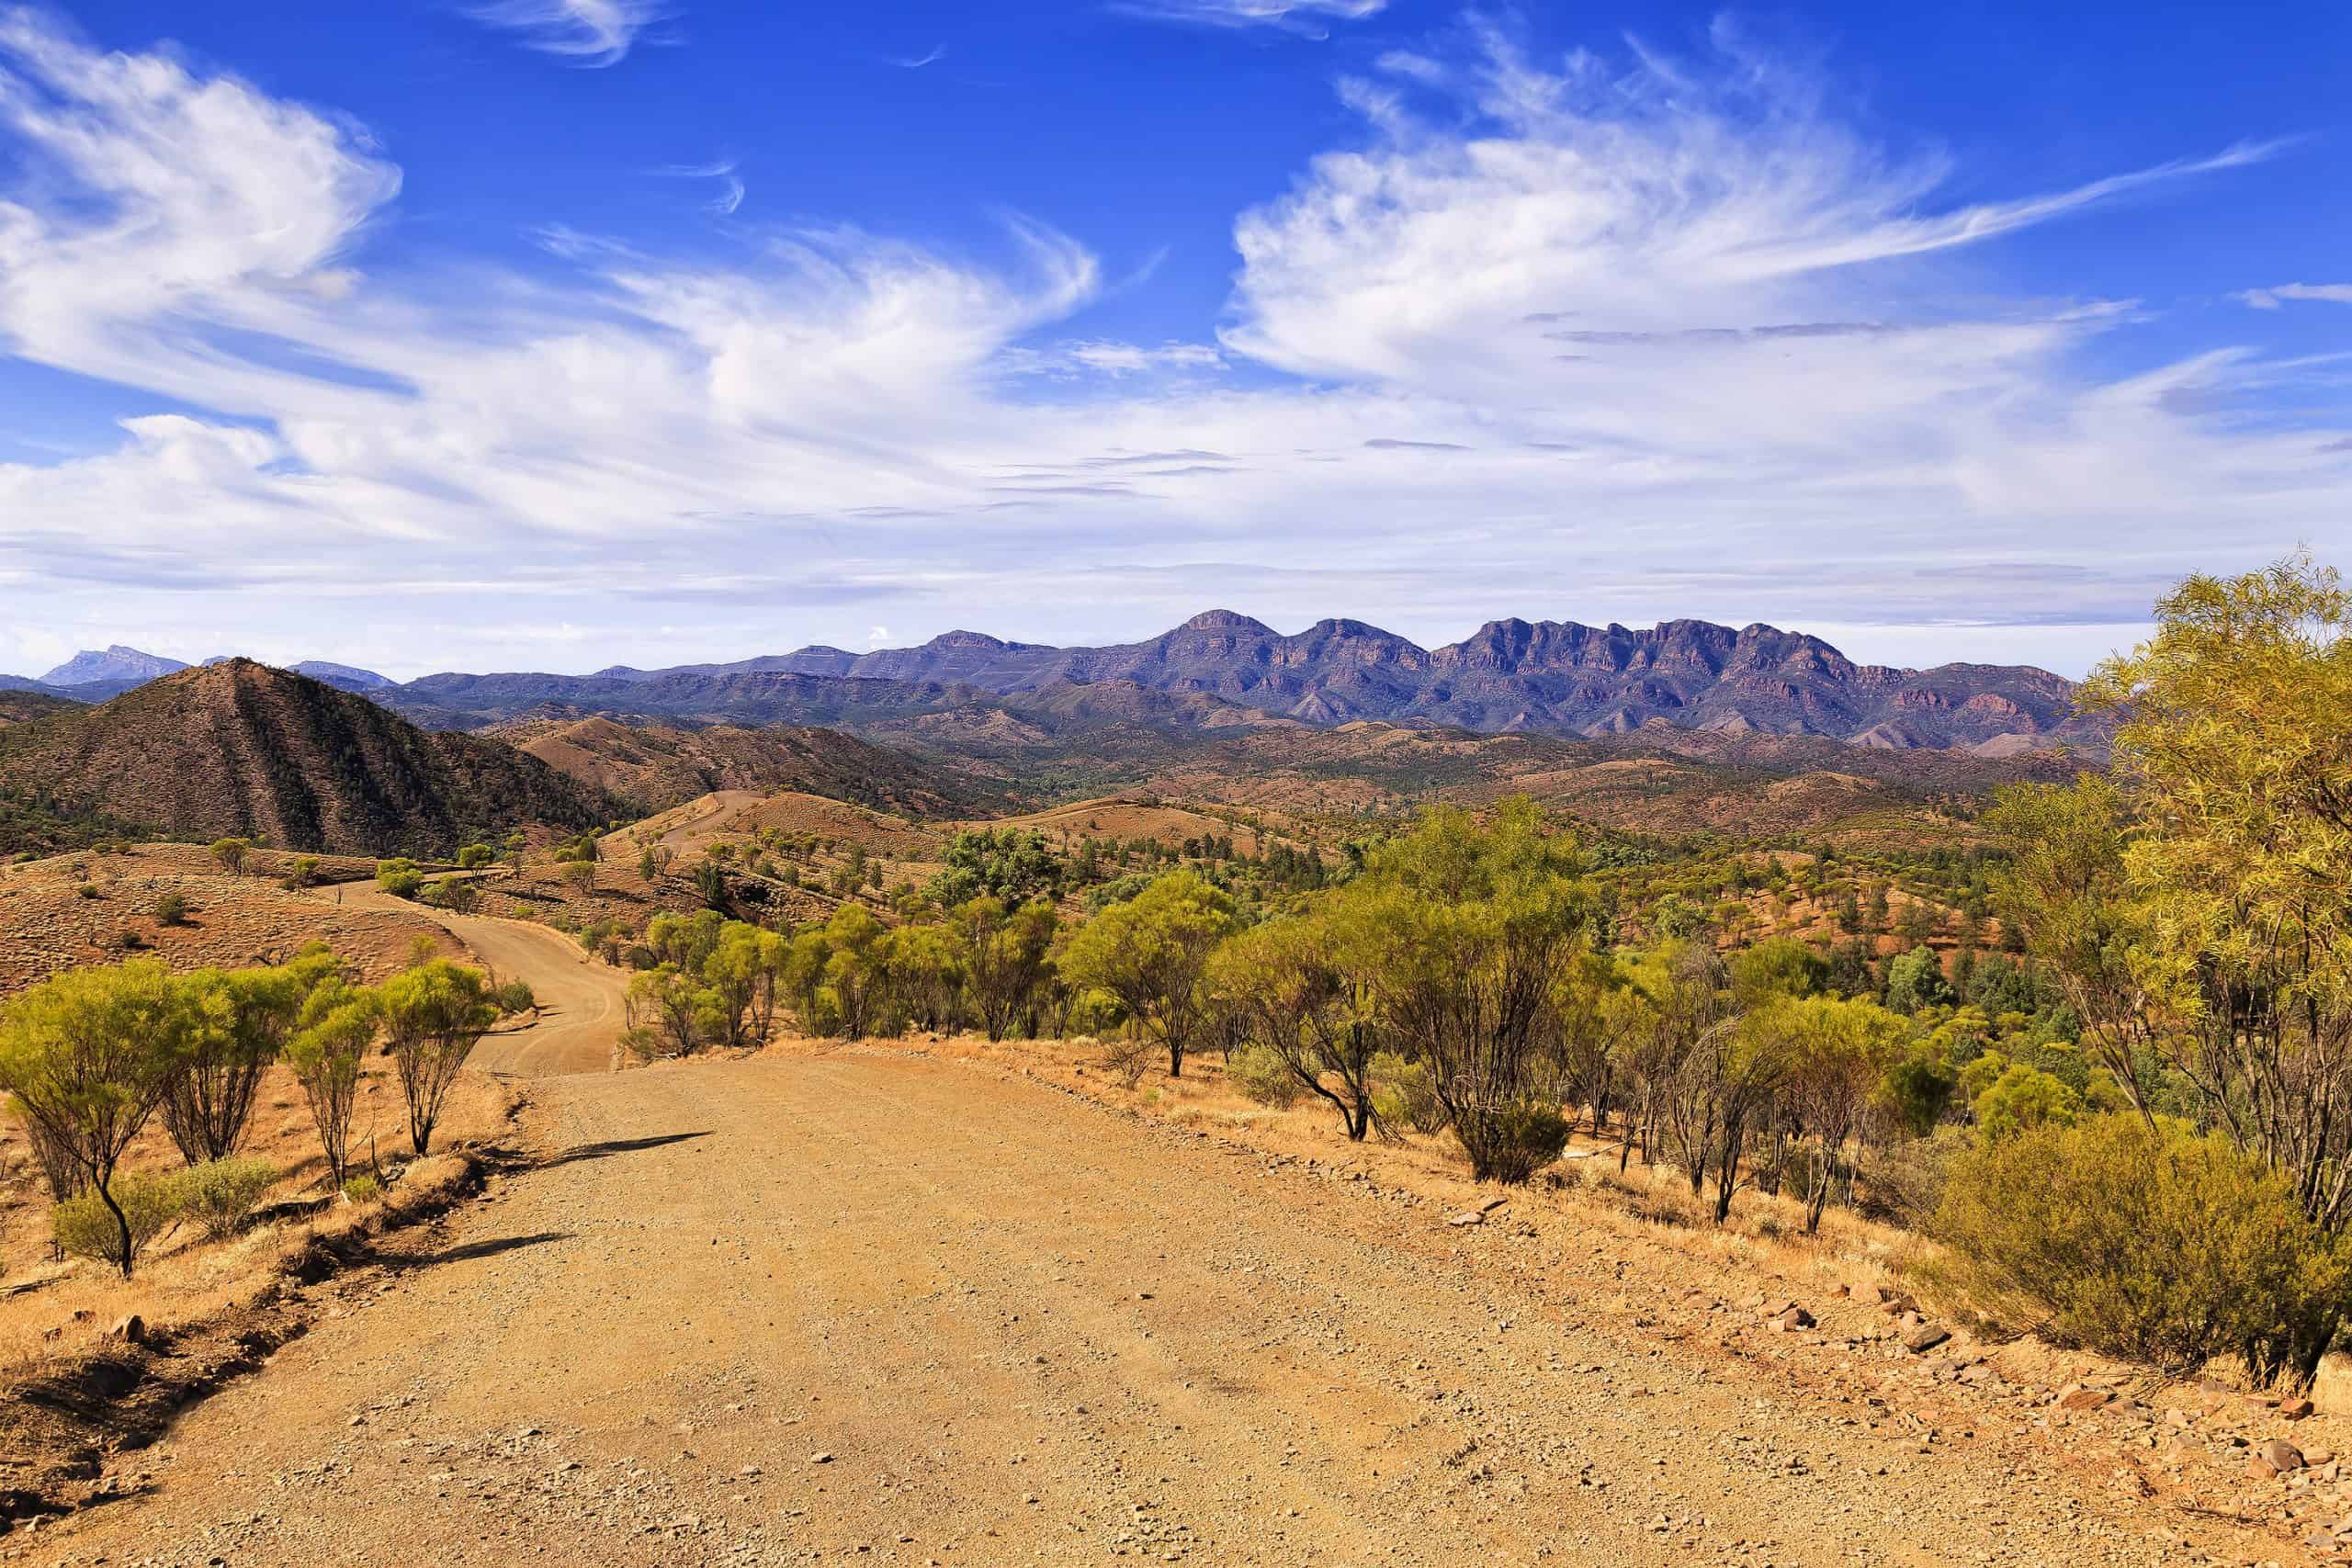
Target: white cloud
1306,17
586,32
2272,297
1547,341
1099,356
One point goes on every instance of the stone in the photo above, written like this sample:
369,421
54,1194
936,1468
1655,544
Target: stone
132,1330
2294,1409
1924,1337
2279,1457
1467,1217
1791,1319
2084,1399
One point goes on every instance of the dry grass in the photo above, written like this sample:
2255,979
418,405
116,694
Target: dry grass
52,1311
74,909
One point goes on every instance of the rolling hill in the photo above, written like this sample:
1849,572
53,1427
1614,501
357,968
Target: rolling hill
242,749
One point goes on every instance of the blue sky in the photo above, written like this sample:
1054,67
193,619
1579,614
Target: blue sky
557,333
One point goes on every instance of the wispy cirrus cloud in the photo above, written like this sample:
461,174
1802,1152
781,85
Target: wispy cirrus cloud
2278,294
731,189
586,32
1306,17
1545,337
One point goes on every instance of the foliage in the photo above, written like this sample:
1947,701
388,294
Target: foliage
1152,953
170,908
1262,1075
363,1188
1463,931
220,1195
713,982
1005,864
2022,1097
339,1022
2143,1240
231,854
1006,959
474,857
1915,982
399,876
145,1207
244,1017
88,1055
1509,1141
433,1015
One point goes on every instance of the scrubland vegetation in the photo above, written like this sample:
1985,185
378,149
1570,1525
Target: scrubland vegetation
2100,1050
90,1056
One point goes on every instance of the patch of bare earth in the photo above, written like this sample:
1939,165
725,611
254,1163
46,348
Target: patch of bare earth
829,1304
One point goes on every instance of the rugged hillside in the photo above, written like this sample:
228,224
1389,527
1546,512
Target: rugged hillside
1546,677
18,703
654,767
242,749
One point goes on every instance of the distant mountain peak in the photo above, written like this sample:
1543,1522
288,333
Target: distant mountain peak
117,663
1226,621
347,677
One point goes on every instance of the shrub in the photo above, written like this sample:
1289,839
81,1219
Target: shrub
88,890
1412,1094
473,857
303,872
153,1205
454,894
2023,1097
1262,1075
221,1194
515,995
1512,1141
171,909
2155,1244
398,877
363,1188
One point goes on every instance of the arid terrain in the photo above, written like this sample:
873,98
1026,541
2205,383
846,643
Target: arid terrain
863,1302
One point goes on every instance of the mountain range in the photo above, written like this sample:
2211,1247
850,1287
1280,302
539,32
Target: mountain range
1221,669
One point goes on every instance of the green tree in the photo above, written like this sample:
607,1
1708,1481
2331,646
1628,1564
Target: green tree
474,857
1470,928
1152,953
1299,987
1836,1054
1003,863
86,1056
339,1022
1006,957
231,854
246,1016
432,1016
1915,982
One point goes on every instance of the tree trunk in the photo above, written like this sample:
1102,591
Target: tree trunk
121,1220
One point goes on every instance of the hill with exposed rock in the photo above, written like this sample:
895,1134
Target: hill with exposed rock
241,748
654,767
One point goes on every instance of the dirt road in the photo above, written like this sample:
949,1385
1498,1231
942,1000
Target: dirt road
902,1311
582,1003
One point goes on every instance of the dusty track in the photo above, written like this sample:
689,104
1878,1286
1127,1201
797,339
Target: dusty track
868,1305
582,1009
